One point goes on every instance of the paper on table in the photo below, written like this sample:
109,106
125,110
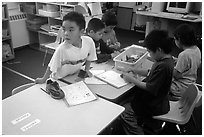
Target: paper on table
113,78
93,80
96,72
78,93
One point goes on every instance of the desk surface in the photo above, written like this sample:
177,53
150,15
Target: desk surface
55,117
167,15
107,91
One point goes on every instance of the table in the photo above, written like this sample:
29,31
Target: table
54,116
107,91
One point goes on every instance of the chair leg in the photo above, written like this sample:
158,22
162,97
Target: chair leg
43,64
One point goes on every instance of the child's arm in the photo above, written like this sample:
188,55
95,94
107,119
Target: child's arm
44,78
131,79
177,74
141,72
87,68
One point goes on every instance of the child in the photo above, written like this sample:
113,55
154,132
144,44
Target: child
95,30
73,52
185,71
109,37
151,97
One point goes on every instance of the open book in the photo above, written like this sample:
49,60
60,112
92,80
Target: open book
78,93
113,78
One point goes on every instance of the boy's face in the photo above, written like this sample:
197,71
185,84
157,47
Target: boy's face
96,35
154,55
72,32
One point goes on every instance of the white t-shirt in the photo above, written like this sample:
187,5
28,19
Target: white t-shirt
187,64
68,59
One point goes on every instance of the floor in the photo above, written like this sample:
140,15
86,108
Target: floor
27,66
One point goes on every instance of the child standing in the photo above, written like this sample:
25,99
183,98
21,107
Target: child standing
95,30
185,71
73,52
109,37
151,96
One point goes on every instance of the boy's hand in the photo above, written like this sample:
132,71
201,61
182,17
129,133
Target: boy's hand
89,73
175,60
115,46
115,53
40,81
128,77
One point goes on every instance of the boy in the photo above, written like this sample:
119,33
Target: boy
151,98
73,52
185,71
109,37
95,30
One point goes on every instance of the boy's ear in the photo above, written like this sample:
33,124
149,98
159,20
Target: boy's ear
82,31
91,31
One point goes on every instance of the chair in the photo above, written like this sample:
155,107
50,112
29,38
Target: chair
21,88
54,45
198,103
181,111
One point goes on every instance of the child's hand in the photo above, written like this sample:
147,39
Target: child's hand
175,60
115,53
89,73
128,77
115,46
40,81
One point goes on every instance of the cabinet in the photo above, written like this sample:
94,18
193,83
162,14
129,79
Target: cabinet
45,18
7,47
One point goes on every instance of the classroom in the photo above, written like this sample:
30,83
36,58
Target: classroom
102,68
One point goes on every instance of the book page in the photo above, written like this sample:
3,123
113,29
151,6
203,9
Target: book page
93,80
78,93
113,78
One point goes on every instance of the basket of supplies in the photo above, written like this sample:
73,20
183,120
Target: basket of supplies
132,57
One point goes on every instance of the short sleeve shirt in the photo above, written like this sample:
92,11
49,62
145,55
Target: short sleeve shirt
154,100
68,59
187,64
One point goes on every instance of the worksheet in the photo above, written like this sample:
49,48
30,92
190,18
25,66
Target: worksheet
78,93
113,78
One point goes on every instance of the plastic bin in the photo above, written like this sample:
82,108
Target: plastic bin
49,14
120,60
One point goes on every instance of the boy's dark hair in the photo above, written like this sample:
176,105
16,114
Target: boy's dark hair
109,18
76,17
95,24
186,34
158,39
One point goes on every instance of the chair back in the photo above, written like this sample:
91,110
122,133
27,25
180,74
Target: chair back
21,88
188,102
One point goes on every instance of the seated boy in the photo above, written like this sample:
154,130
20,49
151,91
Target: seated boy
185,71
151,96
73,52
109,37
95,30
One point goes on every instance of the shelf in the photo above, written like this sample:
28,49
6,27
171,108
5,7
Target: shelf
8,58
7,46
6,38
48,33
173,16
68,5
5,19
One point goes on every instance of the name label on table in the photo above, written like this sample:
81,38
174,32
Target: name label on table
19,119
30,125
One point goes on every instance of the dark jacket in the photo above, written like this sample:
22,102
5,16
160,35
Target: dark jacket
103,51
